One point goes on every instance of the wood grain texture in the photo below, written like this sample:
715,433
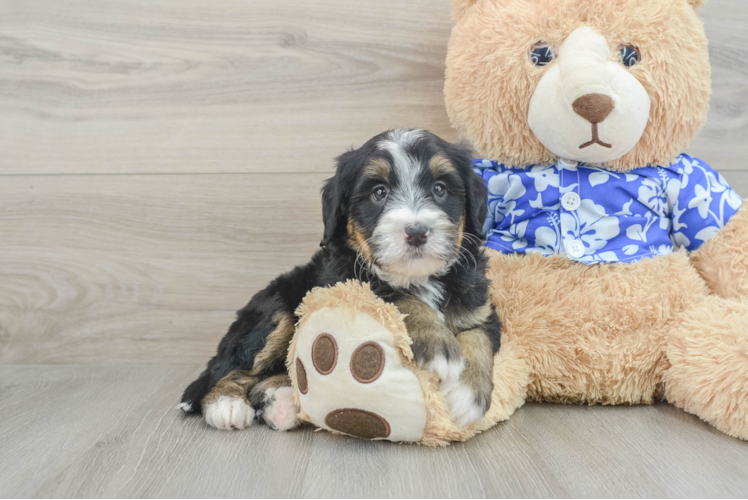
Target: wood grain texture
187,86
142,268
147,268
143,86
160,162
113,432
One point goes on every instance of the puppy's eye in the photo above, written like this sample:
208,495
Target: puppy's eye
379,193
630,55
542,54
440,190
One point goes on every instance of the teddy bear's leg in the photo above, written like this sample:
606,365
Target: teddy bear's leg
273,401
708,356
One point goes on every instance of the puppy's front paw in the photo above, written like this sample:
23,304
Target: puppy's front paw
228,413
281,412
466,406
442,357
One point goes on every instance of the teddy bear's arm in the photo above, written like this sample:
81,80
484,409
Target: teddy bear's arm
723,260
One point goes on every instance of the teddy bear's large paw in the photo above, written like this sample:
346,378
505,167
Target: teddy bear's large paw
351,378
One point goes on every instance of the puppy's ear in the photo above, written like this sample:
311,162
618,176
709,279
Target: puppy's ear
335,198
476,194
330,215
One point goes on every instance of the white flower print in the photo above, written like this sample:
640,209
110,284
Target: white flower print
601,176
701,200
626,210
516,234
590,224
707,233
505,189
652,196
685,169
543,176
680,240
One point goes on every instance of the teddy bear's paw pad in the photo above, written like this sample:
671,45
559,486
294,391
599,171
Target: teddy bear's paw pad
464,405
351,378
229,413
281,412
325,353
359,423
367,362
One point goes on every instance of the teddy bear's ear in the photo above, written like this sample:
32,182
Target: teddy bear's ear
460,7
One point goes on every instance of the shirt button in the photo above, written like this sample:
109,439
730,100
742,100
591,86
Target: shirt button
571,201
575,249
567,163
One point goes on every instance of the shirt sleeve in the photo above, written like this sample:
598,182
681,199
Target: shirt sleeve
701,201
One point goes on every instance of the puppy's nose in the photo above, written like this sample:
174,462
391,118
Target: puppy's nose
416,234
594,107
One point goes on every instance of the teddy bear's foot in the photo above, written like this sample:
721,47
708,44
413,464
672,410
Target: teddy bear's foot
228,413
348,361
708,356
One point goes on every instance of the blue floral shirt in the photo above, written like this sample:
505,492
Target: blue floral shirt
594,215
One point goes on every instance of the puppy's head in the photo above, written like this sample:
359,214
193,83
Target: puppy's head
407,201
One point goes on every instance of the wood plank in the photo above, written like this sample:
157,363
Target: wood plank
142,86
112,431
253,86
97,269
146,268
723,143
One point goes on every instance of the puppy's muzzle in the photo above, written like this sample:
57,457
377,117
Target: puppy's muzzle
417,234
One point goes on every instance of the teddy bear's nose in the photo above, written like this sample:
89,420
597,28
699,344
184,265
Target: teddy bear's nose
594,107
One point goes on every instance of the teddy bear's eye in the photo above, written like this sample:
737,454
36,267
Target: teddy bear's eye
630,55
542,54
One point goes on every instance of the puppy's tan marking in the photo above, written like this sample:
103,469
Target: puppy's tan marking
234,385
378,167
458,321
430,335
257,394
460,233
478,354
276,343
358,241
238,383
439,166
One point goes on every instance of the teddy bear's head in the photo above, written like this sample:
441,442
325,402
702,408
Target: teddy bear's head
617,83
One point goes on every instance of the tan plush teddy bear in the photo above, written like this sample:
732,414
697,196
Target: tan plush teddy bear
619,265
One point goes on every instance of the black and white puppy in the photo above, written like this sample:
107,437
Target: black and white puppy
404,212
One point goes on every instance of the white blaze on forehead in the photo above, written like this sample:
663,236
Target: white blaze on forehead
407,167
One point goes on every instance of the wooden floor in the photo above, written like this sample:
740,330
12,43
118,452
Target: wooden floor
160,161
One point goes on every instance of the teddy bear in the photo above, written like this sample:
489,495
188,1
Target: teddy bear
618,264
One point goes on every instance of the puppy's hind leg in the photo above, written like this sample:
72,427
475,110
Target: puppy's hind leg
227,405
273,400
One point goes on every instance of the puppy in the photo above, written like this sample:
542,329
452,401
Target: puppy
404,212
